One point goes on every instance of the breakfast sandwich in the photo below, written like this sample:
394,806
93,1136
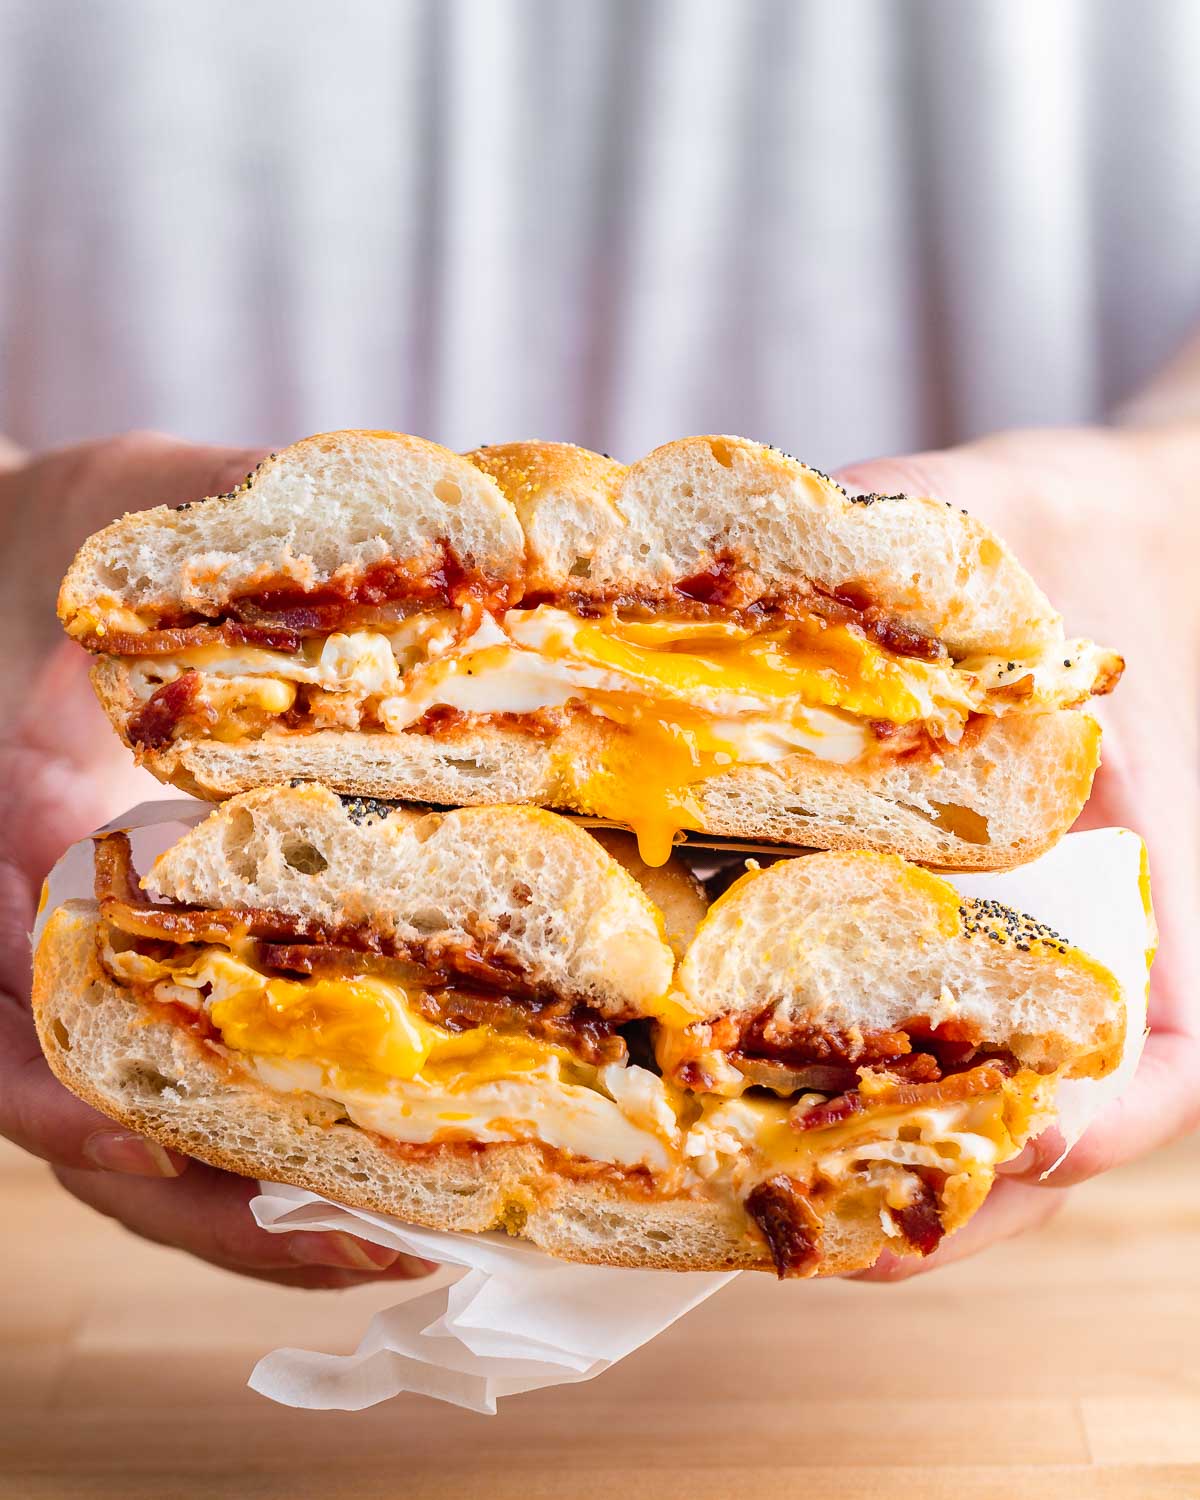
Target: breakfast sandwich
716,639
486,1019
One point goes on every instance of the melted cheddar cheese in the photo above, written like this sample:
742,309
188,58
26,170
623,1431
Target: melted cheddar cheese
738,1142
983,1130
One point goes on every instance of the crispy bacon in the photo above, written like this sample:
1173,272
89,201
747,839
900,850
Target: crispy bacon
954,1043
984,1078
167,640
126,907
278,614
586,1034
225,925
956,1088
798,1044
852,604
793,1058
948,1046
447,582
772,1053
789,1223
900,639
690,1075
920,1221
830,1112
339,959
114,876
917,1067
727,588
154,724
720,585
336,961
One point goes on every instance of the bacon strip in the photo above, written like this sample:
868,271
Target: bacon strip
444,958
278,614
285,613
114,877
984,1079
154,724
798,1044
917,1049
886,631
168,640
338,961
589,1036
126,907
793,1058
727,587
920,1221
789,1223
831,1112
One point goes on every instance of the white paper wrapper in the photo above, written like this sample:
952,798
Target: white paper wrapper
517,1319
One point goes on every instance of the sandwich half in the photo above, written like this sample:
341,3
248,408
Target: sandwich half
716,639
478,1020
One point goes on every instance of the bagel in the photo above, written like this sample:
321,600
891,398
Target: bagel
478,1020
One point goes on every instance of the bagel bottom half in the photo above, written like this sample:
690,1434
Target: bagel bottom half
1004,796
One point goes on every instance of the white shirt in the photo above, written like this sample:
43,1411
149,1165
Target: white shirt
843,228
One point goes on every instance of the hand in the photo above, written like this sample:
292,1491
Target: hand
1106,521
63,772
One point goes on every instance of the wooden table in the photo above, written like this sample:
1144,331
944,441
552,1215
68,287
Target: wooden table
1064,1365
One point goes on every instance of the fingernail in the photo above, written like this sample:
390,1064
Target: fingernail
335,1249
119,1151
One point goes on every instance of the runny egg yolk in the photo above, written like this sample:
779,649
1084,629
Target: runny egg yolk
814,663
648,775
359,1024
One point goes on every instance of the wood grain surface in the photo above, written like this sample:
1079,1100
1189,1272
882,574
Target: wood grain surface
1065,1365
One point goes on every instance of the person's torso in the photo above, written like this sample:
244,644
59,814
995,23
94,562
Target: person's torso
844,229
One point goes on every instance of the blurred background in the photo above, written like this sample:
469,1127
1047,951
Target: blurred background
845,228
